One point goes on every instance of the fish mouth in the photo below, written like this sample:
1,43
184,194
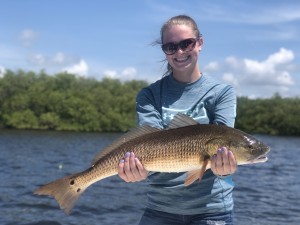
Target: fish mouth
260,159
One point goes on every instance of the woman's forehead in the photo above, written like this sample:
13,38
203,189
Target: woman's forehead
175,33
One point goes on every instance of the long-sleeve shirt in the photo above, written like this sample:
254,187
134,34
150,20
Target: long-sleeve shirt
207,101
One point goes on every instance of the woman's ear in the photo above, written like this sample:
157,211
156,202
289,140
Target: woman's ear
200,43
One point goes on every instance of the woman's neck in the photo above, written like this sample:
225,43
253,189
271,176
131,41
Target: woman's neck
188,76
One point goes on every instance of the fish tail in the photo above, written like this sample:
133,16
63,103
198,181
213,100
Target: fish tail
65,190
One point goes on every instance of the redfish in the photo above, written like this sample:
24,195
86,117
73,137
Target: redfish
185,146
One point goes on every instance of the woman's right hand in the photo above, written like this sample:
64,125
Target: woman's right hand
130,169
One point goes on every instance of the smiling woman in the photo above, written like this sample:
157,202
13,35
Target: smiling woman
185,89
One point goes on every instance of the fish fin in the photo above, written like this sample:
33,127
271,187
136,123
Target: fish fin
196,174
64,190
181,120
130,135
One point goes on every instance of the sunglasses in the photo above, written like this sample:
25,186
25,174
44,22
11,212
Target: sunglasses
185,45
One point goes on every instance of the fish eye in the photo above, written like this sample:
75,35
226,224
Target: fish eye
251,147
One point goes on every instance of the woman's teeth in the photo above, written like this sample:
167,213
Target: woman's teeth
183,59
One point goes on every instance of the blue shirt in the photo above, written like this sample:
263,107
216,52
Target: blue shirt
207,101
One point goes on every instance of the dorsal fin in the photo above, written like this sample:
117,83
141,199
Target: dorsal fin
181,120
131,134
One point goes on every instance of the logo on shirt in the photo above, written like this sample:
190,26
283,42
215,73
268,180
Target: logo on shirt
197,112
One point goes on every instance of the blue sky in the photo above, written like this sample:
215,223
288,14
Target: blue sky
252,45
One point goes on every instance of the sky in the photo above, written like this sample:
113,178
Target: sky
252,45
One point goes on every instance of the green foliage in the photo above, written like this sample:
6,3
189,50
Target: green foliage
21,120
275,116
66,102
49,121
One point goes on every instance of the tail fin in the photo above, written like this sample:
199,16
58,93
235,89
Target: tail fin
64,190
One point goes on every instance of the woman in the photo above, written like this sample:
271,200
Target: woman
186,90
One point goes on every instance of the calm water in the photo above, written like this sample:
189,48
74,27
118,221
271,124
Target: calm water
265,194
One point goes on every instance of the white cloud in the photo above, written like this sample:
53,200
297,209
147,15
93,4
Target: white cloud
230,78
28,37
281,57
256,67
269,65
285,79
80,69
270,71
59,58
111,74
38,59
2,71
232,62
128,73
253,77
212,66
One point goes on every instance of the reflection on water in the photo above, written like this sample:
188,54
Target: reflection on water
265,194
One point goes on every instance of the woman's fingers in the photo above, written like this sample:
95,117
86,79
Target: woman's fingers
223,163
130,169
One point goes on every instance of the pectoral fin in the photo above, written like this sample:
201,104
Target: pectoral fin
195,174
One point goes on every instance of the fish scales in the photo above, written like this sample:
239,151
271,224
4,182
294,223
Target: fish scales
168,151
172,151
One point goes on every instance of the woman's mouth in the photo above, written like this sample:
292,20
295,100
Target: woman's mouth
182,59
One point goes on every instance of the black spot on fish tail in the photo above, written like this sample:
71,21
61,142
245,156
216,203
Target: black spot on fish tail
64,191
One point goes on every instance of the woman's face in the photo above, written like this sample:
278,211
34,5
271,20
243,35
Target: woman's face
182,61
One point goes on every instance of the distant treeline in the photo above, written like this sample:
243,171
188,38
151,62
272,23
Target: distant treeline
30,100
66,102
275,116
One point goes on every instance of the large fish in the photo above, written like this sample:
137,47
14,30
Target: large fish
185,146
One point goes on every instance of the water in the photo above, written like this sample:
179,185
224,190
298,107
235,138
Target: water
265,194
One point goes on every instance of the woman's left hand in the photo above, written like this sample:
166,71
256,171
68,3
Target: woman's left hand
223,163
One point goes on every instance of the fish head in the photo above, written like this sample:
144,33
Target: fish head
245,148
250,150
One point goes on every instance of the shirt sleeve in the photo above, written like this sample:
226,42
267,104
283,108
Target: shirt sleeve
146,109
225,107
